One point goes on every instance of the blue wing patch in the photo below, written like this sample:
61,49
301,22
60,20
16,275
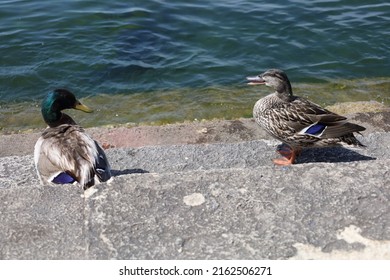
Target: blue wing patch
63,178
316,129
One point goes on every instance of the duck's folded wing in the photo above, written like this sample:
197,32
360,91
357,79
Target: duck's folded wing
46,160
67,148
102,167
306,117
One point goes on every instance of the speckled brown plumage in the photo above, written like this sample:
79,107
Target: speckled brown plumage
296,121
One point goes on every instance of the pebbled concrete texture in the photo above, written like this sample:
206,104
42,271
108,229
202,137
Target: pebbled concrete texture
212,194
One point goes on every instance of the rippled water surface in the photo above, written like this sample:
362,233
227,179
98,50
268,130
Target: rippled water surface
163,61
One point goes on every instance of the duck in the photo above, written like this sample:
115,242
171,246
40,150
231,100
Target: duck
297,122
65,153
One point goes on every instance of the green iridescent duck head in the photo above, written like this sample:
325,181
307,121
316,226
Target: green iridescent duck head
55,102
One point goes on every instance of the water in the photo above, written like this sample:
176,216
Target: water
163,61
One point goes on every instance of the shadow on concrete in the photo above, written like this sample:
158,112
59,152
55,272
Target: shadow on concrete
128,171
331,154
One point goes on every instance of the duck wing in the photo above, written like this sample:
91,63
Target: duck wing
102,167
306,117
68,149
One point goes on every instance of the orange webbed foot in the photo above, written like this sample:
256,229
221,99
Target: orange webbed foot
289,156
282,161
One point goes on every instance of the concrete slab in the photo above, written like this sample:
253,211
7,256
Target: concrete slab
261,213
206,190
42,223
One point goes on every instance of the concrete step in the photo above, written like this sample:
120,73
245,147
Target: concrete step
265,212
205,201
16,171
248,154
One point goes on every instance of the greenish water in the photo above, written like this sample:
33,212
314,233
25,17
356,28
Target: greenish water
163,61
187,104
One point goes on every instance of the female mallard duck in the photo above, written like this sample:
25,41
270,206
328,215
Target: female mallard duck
65,153
298,122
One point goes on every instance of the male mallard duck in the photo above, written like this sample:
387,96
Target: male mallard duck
65,153
296,121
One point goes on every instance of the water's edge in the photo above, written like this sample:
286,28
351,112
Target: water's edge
189,104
